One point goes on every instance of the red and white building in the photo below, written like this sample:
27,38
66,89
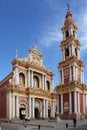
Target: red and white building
71,92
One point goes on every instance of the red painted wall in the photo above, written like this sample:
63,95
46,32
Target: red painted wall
81,102
3,104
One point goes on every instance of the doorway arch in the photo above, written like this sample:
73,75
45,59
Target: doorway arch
37,113
22,111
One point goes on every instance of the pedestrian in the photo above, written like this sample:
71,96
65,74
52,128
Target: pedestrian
74,122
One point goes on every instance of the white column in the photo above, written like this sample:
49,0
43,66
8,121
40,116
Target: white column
43,81
31,78
83,103
78,53
61,103
16,75
73,49
33,105
30,56
74,73
58,104
86,103
46,108
64,37
28,79
71,31
45,86
62,77
63,54
29,107
13,106
76,35
43,107
78,103
17,106
53,104
75,102
70,103
70,78
69,49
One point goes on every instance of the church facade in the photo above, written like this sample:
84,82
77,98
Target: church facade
28,91
71,91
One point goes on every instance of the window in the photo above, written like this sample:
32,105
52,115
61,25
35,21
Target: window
66,52
21,79
76,51
36,81
67,34
48,85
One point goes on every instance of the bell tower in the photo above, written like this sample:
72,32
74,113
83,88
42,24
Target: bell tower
71,98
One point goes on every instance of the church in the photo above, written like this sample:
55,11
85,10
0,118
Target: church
28,90
71,91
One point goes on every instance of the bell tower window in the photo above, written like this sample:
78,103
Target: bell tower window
76,51
67,33
66,52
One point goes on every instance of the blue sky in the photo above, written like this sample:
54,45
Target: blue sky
22,21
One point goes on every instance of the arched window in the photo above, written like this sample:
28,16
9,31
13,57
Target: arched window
66,52
67,33
21,79
48,85
36,81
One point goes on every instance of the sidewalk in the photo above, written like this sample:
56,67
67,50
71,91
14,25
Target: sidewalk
42,125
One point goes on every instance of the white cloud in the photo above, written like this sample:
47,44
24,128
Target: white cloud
51,35
82,29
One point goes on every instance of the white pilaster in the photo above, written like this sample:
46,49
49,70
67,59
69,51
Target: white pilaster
43,81
29,107
61,103
16,75
62,77
73,49
31,78
17,106
33,105
86,103
70,103
74,73
75,102
69,49
43,107
28,79
64,36
46,108
78,103
13,106
70,78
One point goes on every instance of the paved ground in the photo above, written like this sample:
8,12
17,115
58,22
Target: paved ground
44,125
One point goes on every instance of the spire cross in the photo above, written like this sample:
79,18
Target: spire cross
68,7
